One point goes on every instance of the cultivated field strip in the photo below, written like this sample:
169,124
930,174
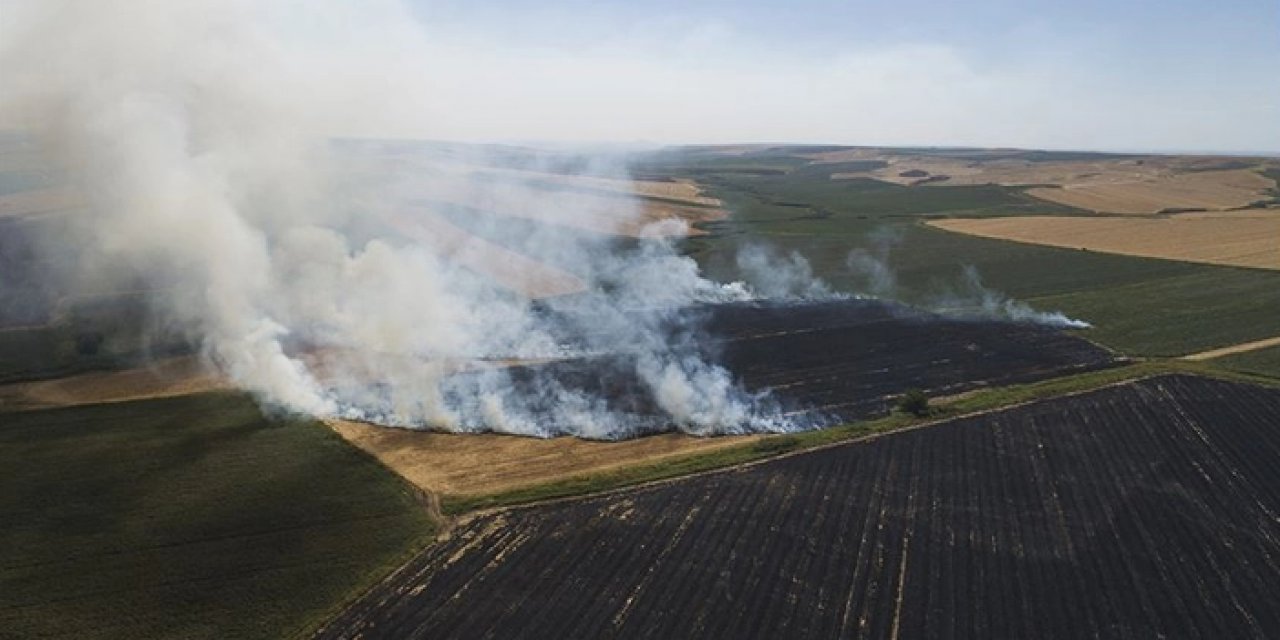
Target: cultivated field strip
1143,510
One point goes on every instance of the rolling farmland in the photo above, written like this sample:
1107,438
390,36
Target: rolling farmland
787,197
1140,510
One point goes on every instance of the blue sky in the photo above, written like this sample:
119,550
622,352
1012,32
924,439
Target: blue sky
1172,75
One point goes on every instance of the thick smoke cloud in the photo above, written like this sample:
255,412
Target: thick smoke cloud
337,278
210,143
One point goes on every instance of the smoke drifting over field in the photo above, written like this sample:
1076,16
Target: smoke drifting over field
336,278
967,297
325,277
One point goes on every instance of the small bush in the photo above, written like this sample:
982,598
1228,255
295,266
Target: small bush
914,402
777,444
89,344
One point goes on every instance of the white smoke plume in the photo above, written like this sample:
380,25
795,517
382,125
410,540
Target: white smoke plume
969,297
871,264
767,274
374,281
974,299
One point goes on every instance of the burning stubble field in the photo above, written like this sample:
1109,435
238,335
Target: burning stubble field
831,362
1139,510
827,363
190,517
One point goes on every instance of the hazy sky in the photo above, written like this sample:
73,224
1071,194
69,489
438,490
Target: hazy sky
1168,75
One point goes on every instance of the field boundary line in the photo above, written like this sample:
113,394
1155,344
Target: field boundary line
1243,347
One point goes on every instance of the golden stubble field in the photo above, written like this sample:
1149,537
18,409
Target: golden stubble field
475,464
160,379
40,201
1127,185
1208,190
1247,238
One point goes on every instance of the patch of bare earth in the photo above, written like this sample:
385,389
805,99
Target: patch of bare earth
472,464
1238,238
164,378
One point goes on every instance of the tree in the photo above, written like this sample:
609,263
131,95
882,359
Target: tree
914,402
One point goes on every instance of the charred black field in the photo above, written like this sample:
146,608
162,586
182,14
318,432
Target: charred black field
827,362
1140,510
845,360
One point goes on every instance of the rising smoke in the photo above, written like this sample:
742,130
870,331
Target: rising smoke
973,299
337,278
775,276
966,297
212,144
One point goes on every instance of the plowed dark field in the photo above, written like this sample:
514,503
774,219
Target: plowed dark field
1138,511
830,362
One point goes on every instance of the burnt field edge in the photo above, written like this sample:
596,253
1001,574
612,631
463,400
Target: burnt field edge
943,408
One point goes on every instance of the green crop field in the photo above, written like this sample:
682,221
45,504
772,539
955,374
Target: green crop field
1264,362
192,517
1138,305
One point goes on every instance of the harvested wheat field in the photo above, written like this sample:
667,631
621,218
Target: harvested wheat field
1246,238
1212,190
948,171
612,211
1146,184
513,271
161,379
675,189
38,201
472,464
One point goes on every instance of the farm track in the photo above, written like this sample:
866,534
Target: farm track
1233,349
1136,510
